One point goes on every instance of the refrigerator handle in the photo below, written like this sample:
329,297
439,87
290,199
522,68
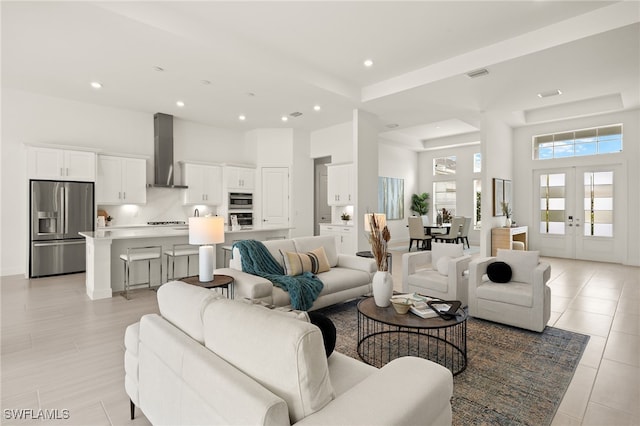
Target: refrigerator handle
65,207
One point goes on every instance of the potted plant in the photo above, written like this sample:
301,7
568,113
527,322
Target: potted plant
109,219
420,205
506,211
379,236
346,217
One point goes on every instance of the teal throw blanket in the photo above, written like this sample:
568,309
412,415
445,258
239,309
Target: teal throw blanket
256,260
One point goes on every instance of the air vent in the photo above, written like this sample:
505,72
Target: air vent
392,125
295,114
549,93
477,73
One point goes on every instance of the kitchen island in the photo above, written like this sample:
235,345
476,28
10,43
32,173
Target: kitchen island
105,271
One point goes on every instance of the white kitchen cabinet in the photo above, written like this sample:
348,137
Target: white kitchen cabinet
240,178
340,185
344,235
61,164
204,184
121,180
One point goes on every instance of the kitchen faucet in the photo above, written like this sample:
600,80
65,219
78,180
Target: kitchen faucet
196,213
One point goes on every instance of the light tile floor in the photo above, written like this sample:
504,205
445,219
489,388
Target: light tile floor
59,350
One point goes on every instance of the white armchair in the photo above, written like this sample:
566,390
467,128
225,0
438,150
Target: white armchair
523,302
438,273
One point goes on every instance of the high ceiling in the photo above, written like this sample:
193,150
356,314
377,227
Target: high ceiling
269,59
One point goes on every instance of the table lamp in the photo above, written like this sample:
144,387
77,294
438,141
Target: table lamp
206,232
381,220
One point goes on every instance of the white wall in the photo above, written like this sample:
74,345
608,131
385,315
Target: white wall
401,163
335,141
29,118
523,183
497,159
302,186
464,177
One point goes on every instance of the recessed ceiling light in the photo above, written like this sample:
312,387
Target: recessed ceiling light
368,63
96,84
159,69
316,108
242,117
549,93
284,118
180,104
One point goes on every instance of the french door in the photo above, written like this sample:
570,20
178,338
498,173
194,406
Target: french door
580,213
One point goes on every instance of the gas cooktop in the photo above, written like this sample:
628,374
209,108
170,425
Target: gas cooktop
168,222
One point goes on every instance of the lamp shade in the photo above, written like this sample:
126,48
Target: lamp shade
206,230
381,219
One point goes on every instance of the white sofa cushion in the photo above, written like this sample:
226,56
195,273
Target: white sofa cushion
183,305
443,265
305,244
429,279
284,355
338,279
513,293
439,250
522,263
274,247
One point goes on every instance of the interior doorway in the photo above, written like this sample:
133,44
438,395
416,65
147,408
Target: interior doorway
322,210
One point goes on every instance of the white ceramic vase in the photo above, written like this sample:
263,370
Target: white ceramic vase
507,222
382,288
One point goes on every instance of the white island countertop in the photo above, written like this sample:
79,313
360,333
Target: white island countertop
126,233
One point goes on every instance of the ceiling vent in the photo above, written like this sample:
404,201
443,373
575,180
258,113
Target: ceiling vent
295,114
549,93
477,73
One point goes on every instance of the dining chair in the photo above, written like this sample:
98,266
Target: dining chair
452,235
463,235
416,233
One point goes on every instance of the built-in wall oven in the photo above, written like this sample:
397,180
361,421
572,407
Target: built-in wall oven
245,220
240,201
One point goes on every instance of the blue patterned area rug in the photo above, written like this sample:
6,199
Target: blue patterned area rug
513,376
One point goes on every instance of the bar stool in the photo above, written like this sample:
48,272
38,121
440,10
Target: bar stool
140,254
179,250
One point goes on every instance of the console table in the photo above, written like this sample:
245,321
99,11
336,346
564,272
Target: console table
503,237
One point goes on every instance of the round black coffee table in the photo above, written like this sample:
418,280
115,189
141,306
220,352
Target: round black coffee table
384,335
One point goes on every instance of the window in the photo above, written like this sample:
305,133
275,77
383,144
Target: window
445,198
552,203
444,166
477,162
598,204
577,143
477,211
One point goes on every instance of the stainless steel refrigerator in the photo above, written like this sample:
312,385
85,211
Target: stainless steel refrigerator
59,210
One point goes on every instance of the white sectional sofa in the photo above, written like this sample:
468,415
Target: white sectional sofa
350,276
207,360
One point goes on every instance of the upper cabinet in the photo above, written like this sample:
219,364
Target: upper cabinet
61,164
204,184
242,178
340,185
121,180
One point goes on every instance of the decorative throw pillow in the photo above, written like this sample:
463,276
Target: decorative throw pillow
327,328
499,272
443,265
296,263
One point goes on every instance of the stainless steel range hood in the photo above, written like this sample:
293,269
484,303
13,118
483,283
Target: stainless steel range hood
163,152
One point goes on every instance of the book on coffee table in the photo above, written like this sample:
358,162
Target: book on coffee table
422,310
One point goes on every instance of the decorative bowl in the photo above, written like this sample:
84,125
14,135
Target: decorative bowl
401,305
